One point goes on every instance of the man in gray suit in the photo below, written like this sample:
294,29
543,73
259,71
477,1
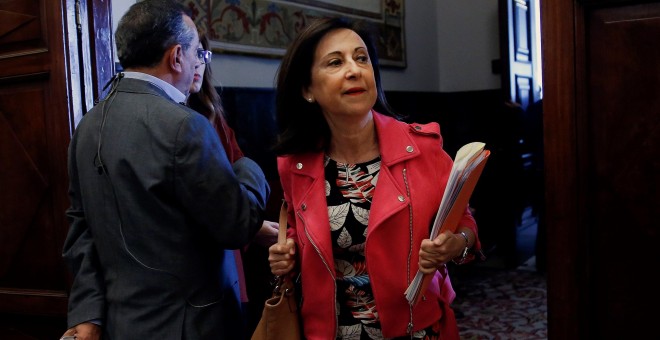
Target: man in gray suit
154,199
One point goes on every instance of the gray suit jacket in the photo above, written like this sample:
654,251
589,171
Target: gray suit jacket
153,205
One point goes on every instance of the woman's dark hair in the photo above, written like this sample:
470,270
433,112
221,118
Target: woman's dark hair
302,127
207,101
148,29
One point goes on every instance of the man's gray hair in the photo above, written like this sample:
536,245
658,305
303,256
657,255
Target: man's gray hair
148,29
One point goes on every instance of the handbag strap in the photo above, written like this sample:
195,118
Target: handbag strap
282,281
281,236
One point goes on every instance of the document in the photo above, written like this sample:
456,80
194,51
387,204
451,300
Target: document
468,165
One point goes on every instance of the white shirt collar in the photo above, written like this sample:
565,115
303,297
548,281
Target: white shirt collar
171,91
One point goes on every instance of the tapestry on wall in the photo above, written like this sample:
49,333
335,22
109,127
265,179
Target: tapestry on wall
262,27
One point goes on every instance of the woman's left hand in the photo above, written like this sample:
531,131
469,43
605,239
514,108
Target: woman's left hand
437,252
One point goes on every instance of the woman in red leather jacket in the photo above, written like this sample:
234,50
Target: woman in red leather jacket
362,190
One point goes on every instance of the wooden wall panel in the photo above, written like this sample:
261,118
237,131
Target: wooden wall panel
34,134
36,91
623,125
25,189
55,55
602,133
21,28
566,312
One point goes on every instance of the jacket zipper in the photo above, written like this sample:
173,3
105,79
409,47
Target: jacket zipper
410,247
318,252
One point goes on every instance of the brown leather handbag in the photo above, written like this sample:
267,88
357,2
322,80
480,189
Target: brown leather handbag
280,319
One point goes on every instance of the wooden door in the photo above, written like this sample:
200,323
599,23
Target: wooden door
521,86
602,136
46,84
518,49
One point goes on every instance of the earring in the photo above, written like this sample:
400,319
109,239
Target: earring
310,99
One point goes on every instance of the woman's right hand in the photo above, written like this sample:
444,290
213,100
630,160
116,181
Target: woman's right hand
282,257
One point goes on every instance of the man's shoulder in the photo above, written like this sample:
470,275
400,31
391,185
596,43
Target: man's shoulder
141,95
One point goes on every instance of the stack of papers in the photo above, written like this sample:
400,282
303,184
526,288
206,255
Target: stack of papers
468,165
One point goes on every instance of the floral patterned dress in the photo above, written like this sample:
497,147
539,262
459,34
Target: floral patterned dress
349,189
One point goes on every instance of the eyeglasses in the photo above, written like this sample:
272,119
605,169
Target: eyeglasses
204,55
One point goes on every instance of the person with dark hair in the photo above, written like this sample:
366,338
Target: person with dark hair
154,199
205,99
362,190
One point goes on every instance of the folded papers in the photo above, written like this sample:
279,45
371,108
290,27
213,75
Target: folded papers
468,165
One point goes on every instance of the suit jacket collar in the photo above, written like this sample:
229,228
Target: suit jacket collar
172,92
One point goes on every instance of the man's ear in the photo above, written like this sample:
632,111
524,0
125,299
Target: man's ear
175,57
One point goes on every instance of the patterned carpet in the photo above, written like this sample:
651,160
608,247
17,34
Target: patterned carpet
501,304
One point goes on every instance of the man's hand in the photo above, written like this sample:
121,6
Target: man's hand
84,331
267,235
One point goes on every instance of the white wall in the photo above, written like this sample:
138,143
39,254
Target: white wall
449,44
119,7
468,40
421,73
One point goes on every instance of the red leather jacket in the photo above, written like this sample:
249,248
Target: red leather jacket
414,172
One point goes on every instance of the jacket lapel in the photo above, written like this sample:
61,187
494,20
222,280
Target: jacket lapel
396,147
309,192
